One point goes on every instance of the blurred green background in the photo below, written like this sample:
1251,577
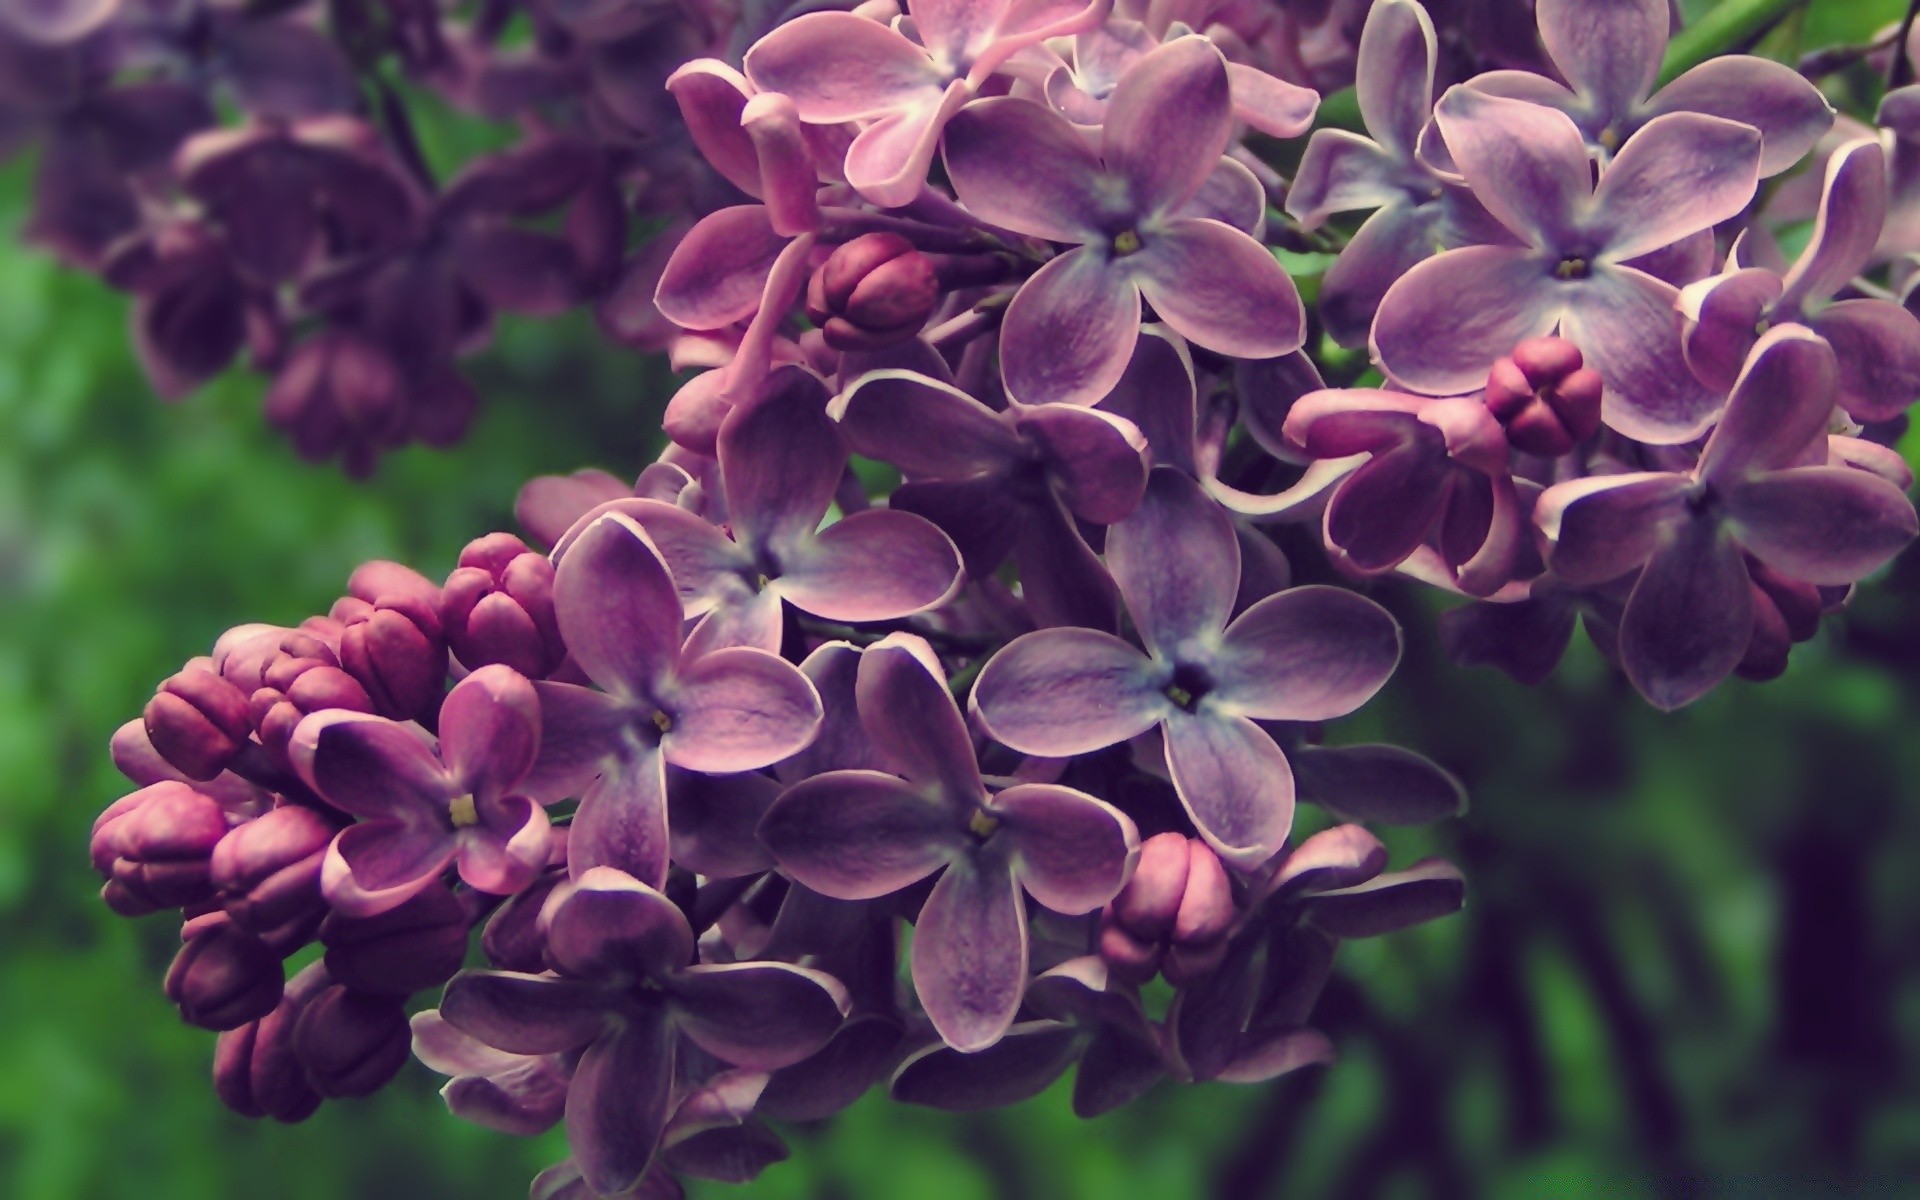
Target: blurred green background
1690,960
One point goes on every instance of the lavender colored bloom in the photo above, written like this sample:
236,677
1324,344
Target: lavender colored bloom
1308,654
1762,488
838,67
1611,52
1082,89
1006,483
1416,208
423,811
624,994
1876,342
1442,324
732,709
858,835
1071,328
781,461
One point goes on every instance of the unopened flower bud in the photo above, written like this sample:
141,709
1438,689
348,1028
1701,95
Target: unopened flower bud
1173,915
268,872
512,939
198,722
161,848
873,291
1546,398
408,949
351,1043
1785,611
1148,904
1128,956
396,653
378,579
497,607
223,976
297,687
255,1069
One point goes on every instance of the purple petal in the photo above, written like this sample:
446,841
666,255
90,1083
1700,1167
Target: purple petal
508,848
1234,782
524,1014
1681,173
1779,407
1060,692
704,562
1783,105
1097,460
856,835
1156,395
490,729
1726,314
1390,243
839,67
711,95
609,925
1526,163
1823,525
876,565
1381,513
376,866
781,458
718,271
929,429
1384,784
887,163
1390,902
858,1055
1017,164
1070,330
978,514
1263,1058
1853,207
1603,526
617,606
1393,79
1306,654
1877,346
741,617
759,1015
1177,563
1270,104
548,505
1219,288
1626,323
580,729
1443,323
1232,196
1062,580
913,720
842,742
622,821
1335,858
1610,52
712,819
1343,172
370,766
738,709
619,1101
1168,123
1018,1067
970,953
1070,851
1690,616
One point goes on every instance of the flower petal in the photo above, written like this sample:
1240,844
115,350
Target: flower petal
1393,76
1020,165
1391,242
1690,616
1382,512
876,565
887,163
618,1103
1829,526
1219,288
760,1015
1725,317
622,821
1390,902
1779,407
580,729
1070,330
738,709
718,271
913,720
780,458
1853,208
1306,654
836,66
856,835
1626,324
1177,563
1096,460
609,925
970,953
490,729
1782,104
524,1014
929,429
1060,692
1681,173
1168,123
617,606
1526,163
1603,526
1384,784
1070,851
1234,781
370,766
1610,52
376,866
1018,1067
1441,325
1876,345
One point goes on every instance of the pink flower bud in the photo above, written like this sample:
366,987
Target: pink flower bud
350,1043
417,946
1147,905
873,291
223,976
1128,956
497,607
513,939
198,722
268,873
255,1069
161,849
1548,401
398,656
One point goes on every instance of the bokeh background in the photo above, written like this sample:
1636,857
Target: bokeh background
1690,960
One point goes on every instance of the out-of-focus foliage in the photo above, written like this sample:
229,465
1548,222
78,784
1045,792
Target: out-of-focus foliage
1692,943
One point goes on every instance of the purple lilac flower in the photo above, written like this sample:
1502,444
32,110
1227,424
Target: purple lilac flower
1611,53
858,835
624,994
724,710
1071,328
1763,488
421,811
1443,323
1876,342
1308,654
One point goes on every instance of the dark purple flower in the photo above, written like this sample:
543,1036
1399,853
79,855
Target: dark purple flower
1071,328
624,994
1441,326
1762,487
422,811
727,710
1308,654
857,835
1876,342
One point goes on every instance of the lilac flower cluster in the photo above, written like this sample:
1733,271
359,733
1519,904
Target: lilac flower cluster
958,600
